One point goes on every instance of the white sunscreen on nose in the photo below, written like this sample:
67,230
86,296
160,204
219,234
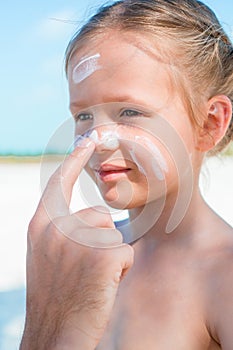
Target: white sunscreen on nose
109,139
85,68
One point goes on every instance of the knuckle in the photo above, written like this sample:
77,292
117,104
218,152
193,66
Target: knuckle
55,227
33,232
107,221
32,226
97,216
129,252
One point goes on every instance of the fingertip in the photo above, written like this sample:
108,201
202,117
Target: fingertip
84,149
81,142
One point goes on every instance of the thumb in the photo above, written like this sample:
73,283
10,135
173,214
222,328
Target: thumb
97,216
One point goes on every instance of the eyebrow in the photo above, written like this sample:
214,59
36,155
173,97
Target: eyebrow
126,98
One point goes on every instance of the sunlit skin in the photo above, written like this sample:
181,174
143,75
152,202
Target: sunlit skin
149,91
171,295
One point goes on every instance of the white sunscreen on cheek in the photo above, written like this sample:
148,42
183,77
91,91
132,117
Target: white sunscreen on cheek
158,164
135,160
86,67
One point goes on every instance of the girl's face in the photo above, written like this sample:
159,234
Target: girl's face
144,138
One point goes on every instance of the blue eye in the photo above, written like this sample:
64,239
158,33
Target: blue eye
130,113
84,117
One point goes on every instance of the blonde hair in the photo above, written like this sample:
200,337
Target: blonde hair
204,52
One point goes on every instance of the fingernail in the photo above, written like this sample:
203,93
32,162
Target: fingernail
82,142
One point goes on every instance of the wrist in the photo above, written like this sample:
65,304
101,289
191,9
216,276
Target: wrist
66,340
76,339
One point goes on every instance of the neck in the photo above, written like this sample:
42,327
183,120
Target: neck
169,223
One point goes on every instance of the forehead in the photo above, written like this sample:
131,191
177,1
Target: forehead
118,49
116,62
112,46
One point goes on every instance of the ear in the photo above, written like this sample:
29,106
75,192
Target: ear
218,117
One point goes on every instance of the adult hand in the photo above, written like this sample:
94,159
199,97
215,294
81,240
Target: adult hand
71,287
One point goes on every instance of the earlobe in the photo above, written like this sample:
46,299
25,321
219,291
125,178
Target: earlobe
214,127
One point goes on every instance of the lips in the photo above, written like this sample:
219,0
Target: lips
110,172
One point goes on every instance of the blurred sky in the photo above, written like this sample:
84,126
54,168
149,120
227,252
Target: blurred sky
33,90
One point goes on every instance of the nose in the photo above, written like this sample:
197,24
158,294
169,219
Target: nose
106,139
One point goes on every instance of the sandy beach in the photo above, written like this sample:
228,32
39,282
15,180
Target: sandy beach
20,189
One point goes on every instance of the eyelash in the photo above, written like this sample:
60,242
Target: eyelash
130,113
82,117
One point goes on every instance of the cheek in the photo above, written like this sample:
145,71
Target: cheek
90,172
157,166
149,158
147,152
136,146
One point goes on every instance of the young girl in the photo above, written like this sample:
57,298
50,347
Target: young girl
151,91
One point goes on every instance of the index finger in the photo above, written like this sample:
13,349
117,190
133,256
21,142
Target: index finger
56,198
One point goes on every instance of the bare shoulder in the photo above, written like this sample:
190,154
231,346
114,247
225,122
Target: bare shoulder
220,254
222,245
219,285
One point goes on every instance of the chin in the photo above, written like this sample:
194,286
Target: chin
123,202
116,202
